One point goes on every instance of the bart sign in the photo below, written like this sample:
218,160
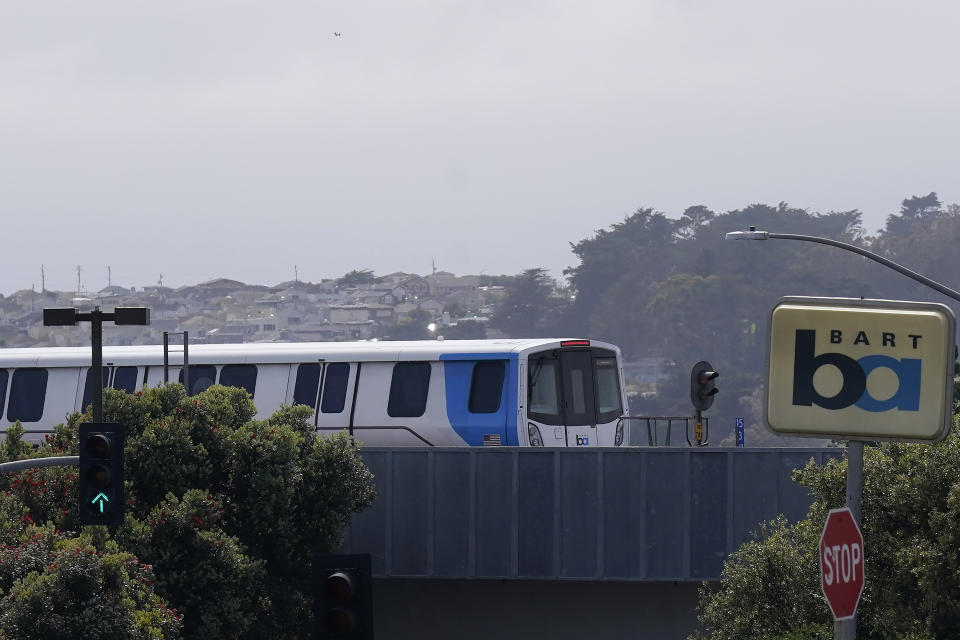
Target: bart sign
860,369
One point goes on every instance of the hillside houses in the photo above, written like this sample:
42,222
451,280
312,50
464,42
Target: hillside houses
229,311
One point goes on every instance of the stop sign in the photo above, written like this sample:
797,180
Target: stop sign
841,563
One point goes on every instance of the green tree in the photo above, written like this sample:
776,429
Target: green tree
531,307
227,511
215,584
456,310
357,276
466,330
487,280
921,206
923,237
768,586
413,327
675,289
693,219
911,529
85,587
617,267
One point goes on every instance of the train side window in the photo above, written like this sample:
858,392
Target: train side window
486,386
88,387
335,388
201,377
408,390
125,379
28,388
305,388
3,389
239,375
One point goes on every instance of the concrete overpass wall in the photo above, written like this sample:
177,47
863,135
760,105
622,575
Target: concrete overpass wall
562,544
637,514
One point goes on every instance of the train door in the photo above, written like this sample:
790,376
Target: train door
327,388
544,419
579,400
335,397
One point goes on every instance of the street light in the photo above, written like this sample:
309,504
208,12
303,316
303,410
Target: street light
70,316
753,234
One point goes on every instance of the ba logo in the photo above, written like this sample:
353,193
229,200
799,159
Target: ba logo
854,372
583,441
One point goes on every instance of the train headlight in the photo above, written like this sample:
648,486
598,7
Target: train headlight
536,440
618,438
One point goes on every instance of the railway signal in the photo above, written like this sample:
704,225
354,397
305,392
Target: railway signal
344,602
101,473
702,385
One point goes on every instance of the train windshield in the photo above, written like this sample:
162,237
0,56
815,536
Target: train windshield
544,394
606,374
574,387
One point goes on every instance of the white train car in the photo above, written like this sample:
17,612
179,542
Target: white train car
534,392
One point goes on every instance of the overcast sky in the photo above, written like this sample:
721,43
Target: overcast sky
238,139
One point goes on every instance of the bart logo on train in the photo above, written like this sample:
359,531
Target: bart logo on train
854,373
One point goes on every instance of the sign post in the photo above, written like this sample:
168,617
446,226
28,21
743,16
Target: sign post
858,370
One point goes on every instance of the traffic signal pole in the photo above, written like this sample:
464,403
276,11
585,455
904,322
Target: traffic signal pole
100,485
96,344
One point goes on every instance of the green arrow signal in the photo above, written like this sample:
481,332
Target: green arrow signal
102,498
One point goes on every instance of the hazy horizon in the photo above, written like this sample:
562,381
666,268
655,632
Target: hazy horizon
240,139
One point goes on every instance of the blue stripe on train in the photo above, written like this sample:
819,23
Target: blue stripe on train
458,374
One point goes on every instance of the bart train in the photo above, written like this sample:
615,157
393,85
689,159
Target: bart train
532,392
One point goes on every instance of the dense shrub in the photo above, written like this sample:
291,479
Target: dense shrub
224,516
911,527
202,569
59,587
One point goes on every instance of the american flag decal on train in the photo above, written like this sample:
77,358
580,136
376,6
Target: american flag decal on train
491,439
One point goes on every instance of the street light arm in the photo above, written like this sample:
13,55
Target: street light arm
947,291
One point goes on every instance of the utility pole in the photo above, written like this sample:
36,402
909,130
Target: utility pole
79,269
43,279
109,282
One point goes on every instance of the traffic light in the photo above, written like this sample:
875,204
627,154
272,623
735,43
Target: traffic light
702,385
101,473
344,600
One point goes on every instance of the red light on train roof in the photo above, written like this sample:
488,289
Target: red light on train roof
575,343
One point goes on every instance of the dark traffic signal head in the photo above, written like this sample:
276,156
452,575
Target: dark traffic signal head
344,607
101,473
703,385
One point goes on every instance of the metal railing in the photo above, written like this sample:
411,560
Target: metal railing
654,425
